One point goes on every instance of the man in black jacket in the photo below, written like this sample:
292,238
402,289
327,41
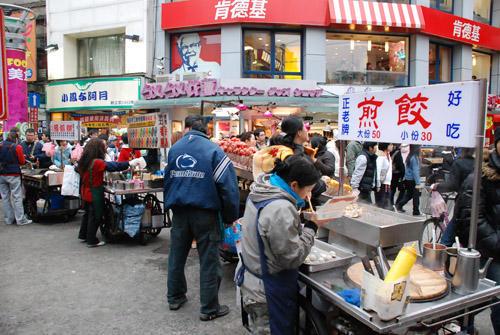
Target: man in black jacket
488,223
325,160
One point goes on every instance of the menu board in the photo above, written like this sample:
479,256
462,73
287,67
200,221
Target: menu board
65,130
148,131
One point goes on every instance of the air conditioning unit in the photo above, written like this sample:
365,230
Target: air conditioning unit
163,78
195,76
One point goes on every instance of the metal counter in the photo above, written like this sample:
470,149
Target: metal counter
111,190
416,313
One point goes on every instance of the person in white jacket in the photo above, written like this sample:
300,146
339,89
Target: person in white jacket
384,176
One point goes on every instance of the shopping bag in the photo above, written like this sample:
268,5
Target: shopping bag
438,205
71,182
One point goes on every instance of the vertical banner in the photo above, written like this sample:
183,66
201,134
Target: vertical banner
3,71
30,38
17,87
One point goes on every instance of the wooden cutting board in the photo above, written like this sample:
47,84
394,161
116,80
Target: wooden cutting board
425,284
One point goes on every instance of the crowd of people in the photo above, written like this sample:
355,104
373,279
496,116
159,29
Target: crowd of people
276,239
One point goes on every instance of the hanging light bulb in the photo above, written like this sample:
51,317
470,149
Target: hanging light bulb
386,46
352,44
369,45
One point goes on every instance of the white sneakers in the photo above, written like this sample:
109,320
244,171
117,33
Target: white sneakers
24,223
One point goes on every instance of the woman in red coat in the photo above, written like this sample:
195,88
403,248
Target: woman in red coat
91,167
126,153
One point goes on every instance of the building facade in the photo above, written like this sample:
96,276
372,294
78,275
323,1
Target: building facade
99,54
342,42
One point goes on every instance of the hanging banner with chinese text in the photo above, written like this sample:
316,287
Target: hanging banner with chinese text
444,114
3,70
17,87
65,130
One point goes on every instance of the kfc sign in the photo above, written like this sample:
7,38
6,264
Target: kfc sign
254,9
444,25
466,30
205,13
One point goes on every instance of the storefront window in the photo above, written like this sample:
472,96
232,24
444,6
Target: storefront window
481,64
101,56
197,52
272,55
439,63
482,11
366,59
444,5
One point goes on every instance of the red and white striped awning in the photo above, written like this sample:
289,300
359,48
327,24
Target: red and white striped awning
376,14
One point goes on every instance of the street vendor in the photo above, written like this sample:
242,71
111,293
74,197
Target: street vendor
91,167
296,135
274,245
127,153
62,155
31,149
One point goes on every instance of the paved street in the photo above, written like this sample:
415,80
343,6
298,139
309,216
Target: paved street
52,284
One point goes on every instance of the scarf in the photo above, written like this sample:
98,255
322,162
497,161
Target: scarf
277,181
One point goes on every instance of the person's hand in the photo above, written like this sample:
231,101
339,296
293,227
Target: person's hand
378,189
418,186
434,186
134,163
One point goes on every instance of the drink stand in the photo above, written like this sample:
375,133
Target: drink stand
148,131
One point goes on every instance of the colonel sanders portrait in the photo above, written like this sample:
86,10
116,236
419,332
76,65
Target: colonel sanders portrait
189,48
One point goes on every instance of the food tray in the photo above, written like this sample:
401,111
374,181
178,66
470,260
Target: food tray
343,257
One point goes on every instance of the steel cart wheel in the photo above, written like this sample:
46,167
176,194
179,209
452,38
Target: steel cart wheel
429,225
311,321
109,227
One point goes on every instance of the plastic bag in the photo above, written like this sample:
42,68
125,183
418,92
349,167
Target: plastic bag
132,217
438,205
71,182
232,236
77,152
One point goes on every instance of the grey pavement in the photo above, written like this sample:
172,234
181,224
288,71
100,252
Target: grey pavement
50,283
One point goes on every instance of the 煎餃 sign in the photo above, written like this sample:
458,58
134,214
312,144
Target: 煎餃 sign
92,94
444,114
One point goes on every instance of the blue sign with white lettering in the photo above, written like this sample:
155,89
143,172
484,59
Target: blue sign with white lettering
34,100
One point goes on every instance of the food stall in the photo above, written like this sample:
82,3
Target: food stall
43,187
348,286
132,198
341,280
43,195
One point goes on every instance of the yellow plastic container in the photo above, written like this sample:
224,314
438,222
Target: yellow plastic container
401,267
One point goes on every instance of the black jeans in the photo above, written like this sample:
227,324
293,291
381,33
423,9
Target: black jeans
382,197
365,196
200,224
90,224
494,274
410,192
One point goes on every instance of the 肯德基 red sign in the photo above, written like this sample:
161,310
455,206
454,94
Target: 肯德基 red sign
198,13
438,23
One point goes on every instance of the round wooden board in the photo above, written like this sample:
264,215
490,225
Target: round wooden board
432,284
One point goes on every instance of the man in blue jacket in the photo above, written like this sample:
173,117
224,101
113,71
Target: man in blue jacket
201,189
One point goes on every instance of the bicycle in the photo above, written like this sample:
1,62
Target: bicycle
438,224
